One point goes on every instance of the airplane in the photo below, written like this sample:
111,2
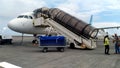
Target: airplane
29,24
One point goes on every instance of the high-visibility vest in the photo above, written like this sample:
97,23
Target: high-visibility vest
106,41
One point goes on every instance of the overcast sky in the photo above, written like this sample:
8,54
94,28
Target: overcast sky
105,12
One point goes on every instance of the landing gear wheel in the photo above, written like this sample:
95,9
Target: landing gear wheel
72,46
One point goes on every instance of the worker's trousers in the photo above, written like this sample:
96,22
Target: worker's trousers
117,49
107,49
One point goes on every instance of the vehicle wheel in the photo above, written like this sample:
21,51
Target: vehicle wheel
72,46
58,48
62,49
10,42
0,41
45,50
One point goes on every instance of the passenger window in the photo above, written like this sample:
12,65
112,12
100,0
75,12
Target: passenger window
26,16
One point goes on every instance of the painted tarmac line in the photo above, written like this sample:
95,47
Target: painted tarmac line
8,65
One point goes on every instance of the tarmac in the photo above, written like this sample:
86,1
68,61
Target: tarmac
26,55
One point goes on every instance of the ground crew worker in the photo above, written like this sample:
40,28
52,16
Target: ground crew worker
106,44
116,40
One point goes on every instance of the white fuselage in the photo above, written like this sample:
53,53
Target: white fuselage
24,24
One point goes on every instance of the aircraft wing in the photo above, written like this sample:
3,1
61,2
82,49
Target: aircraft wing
109,27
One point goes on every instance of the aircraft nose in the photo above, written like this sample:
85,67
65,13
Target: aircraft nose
13,25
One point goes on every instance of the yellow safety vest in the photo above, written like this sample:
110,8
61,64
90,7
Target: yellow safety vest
106,41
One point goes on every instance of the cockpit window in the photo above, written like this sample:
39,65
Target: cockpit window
30,17
25,16
21,16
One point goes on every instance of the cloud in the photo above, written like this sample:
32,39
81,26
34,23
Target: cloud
81,8
73,7
11,8
113,4
85,8
4,28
